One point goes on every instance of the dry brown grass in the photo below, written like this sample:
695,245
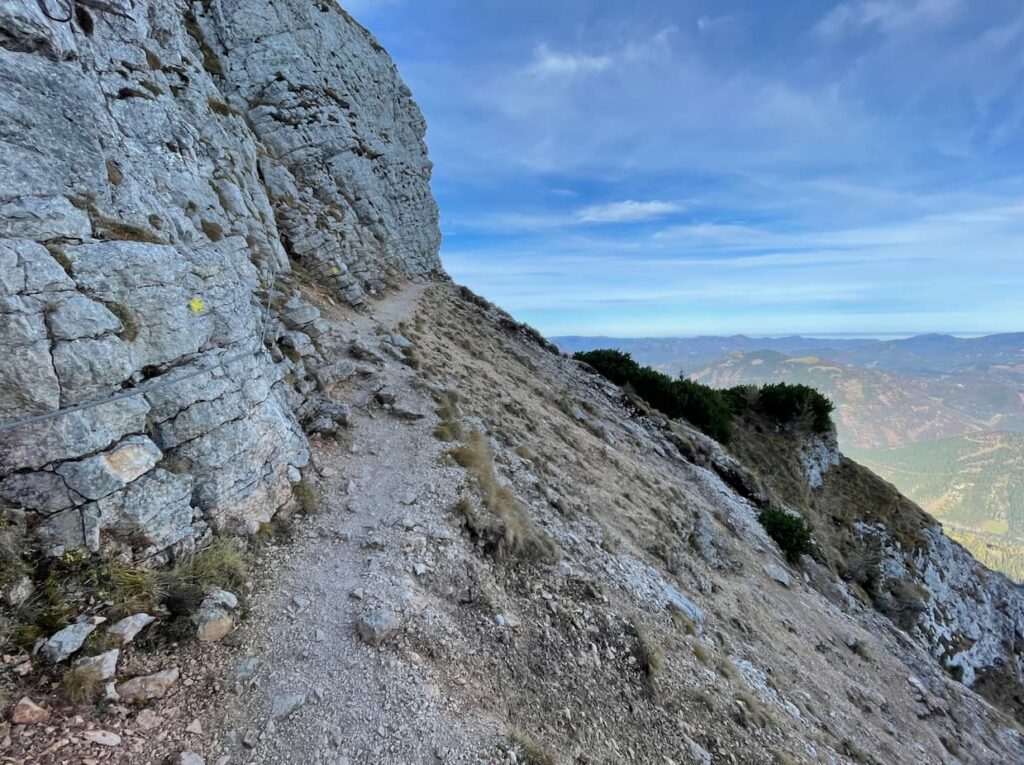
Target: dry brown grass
449,428
518,535
533,752
82,684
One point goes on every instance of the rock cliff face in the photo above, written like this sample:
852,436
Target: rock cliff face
159,176
893,557
167,181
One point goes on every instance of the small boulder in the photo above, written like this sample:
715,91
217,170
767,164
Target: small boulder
777,573
244,672
148,720
104,664
66,642
403,413
27,712
284,705
376,627
127,628
148,687
189,758
17,592
214,618
102,737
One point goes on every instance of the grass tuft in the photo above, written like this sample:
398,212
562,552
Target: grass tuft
533,752
518,535
308,497
449,428
82,684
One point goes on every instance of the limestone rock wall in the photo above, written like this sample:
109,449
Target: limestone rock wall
159,177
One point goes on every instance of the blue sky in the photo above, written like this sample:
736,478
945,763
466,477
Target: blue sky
663,167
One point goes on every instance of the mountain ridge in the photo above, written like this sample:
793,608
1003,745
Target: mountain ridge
332,507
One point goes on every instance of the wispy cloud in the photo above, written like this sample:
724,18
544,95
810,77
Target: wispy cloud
887,15
549,62
628,211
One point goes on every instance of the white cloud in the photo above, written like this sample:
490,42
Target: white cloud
886,15
548,62
629,211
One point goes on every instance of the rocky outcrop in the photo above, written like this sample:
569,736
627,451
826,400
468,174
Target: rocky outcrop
896,559
161,176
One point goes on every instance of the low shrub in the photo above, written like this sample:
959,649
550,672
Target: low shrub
785,404
706,408
790,532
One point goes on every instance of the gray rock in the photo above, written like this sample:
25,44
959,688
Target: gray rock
377,626
675,599
17,592
777,573
364,352
63,644
104,665
103,474
78,317
43,218
154,511
42,491
698,754
286,704
148,687
102,737
189,758
244,672
167,215
127,628
403,413
214,619
298,314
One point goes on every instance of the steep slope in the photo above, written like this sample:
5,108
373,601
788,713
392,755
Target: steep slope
217,223
973,484
512,557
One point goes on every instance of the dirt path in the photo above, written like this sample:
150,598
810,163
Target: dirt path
319,693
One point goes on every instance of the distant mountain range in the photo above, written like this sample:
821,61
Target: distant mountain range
929,355
940,416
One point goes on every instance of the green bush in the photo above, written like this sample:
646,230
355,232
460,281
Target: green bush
706,408
789,532
784,403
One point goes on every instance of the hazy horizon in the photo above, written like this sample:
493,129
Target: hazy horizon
807,335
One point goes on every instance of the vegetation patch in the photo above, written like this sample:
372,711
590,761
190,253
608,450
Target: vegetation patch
129,327
221,108
790,532
307,495
706,408
532,751
58,254
82,684
210,61
785,404
212,229
514,532
448,429
114,174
